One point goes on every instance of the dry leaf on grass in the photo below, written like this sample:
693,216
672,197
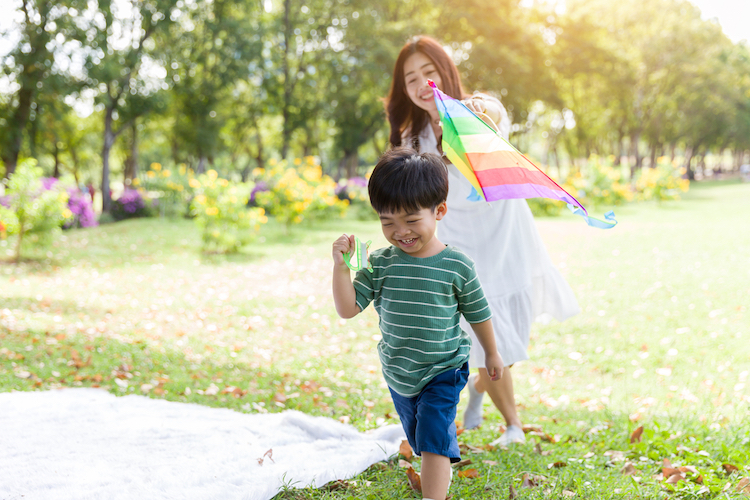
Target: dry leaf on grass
635,437
557,465
463,463
415,481
568,494
512,495
469,473
405,450
339,484
729,468
628,470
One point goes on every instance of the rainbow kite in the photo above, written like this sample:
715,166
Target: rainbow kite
496,169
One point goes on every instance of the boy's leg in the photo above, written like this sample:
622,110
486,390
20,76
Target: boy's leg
436,476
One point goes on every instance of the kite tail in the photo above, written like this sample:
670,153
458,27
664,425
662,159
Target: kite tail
609,223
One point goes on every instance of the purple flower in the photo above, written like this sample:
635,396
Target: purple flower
80,204
48,183
357,182
260,186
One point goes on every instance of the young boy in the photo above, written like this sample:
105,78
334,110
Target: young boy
419,287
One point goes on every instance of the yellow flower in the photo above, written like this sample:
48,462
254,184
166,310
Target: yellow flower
166,173
151,174
212,211
272,162
182,169
67,213
136,181
212,174
194,183
257,172
179,188
297,161
223,182
200,199
156,166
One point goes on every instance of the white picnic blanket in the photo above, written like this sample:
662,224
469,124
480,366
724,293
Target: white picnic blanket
88,444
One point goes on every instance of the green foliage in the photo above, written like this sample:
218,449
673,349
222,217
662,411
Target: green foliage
663,183
299,193
220,210
34,213
169,186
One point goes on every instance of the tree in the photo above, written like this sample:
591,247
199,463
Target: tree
122,64
29,65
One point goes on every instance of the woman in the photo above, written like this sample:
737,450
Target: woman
516,272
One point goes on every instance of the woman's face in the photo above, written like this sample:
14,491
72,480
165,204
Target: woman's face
418,68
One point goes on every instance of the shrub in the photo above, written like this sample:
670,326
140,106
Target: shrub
299,193
662,183
33,208
354,191
171,187
220,210
79,204
131,203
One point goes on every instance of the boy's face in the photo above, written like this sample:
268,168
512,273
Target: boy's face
414,232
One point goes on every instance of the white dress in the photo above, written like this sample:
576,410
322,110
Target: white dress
517,275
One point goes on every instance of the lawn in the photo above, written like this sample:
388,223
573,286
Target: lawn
663,343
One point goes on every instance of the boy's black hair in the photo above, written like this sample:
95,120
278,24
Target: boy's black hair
406,180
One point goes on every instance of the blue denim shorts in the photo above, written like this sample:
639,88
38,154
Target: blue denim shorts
429,417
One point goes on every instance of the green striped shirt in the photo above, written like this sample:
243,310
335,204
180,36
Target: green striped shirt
419,302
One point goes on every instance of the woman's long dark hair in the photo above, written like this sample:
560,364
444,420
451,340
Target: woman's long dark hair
403,113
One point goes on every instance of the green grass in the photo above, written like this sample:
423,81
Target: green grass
662,342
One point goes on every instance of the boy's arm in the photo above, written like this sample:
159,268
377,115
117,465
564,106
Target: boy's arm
344,295
492,360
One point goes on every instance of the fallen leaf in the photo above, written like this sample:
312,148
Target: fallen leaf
528,482
415,481
476,449
512,495
568,494
538,448
531,427
489,462
675,478
729,468
557,465
404,464
628,470
337,485
635,437
268,454
405,450
743,486
469,473
463,463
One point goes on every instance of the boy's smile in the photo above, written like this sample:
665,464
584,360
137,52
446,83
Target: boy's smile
414,232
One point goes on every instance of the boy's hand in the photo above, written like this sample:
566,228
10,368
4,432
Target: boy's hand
341,246
494,364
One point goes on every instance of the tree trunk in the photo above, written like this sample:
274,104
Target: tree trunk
109,140
286,132
56,155
131,164
689,172
652,159
636,154
259,140
201,168
18,121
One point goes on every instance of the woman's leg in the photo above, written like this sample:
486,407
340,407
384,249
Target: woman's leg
501,393
436,476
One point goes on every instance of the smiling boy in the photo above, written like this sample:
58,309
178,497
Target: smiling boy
419,288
